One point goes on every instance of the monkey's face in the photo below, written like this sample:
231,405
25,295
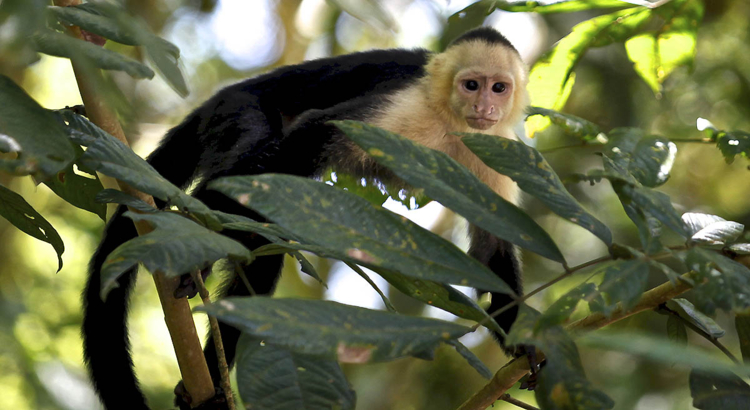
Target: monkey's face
482,98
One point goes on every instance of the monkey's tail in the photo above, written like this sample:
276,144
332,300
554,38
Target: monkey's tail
105,336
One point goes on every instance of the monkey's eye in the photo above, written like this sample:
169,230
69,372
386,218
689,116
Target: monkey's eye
498,88
471,85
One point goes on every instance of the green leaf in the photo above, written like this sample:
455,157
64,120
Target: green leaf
723,282
653,203
363,275
552,72
60,45
33,133
696,317
271,377
113,196
78,186
732,144
661,350
448,182
676,331
570,124
20,19
24,217
175,247
530,170
652,160
111,157
723,391
560,311
465,20
332,330
352,229
624,282
167,65
472,359
565,6
374,191
742,325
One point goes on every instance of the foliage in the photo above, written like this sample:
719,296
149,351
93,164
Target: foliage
309,338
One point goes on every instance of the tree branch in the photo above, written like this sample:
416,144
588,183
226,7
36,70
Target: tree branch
177,314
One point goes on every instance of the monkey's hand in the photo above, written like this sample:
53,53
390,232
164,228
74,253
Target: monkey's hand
183,400
529,382
187,287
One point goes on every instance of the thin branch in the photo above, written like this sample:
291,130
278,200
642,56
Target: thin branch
698,140
518,403
514,370
562,147
701,332
221,356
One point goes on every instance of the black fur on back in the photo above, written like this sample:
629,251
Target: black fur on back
487,34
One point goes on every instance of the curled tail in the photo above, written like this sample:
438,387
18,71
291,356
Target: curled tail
105,336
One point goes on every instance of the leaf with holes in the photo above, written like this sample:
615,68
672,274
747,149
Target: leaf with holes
453,185
351,229
534,175
332,330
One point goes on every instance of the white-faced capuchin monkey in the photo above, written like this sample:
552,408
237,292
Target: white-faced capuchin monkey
278,122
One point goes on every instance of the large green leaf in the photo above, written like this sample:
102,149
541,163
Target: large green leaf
352,229
723,282
453,185
271,377
332,330
696,317
723,391
530,170
33,133
61,45
624,282
176,246
653,203
111,157
79,186
24,217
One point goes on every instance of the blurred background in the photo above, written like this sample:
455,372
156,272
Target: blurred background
224,41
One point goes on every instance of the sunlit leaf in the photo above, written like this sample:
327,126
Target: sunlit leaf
175,247
61,45
352,229
695,221
718,233
527,167
570,124
271,377
33,133
454,186
740,248
24,217
332,330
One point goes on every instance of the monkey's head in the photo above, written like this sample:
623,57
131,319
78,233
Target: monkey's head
484,79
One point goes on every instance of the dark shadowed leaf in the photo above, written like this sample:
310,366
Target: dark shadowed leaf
560,311
570,124
352,229
624,282
78,186
332,330
653,203
732,144
33,133
113,196
723,391
448,182
676,331
723,282
652,159
271,377
19,213
176,246
530,170
111,157
60,45
661,350
742,325
698,318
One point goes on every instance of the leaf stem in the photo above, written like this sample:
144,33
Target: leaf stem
701,332
218,344
506,397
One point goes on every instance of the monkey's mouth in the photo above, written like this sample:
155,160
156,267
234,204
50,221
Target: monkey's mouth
480,123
